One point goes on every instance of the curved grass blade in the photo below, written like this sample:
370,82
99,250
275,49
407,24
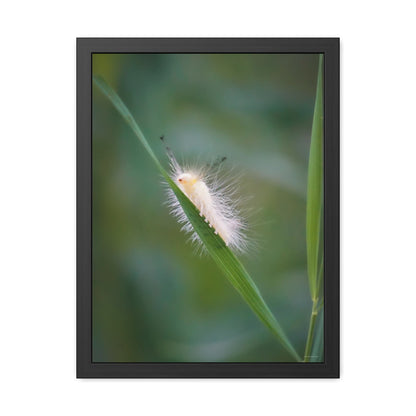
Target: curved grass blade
314,205
314,210
221,254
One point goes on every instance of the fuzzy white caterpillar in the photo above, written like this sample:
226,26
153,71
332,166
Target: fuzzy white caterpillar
213,197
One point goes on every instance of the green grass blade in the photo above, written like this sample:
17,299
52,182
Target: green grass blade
314,211
221,254
314,205
124,111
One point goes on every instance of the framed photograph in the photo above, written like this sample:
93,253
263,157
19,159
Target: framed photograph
208,207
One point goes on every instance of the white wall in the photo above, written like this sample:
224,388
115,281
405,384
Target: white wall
37,173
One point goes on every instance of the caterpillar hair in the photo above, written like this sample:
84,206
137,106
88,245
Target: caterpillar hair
214,196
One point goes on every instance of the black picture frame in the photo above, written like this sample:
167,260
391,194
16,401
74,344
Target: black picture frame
86,368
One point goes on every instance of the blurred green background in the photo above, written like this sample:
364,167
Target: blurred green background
154,300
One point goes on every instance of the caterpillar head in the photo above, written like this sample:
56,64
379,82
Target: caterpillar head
187,181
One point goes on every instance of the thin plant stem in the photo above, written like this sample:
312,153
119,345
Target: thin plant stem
312,322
